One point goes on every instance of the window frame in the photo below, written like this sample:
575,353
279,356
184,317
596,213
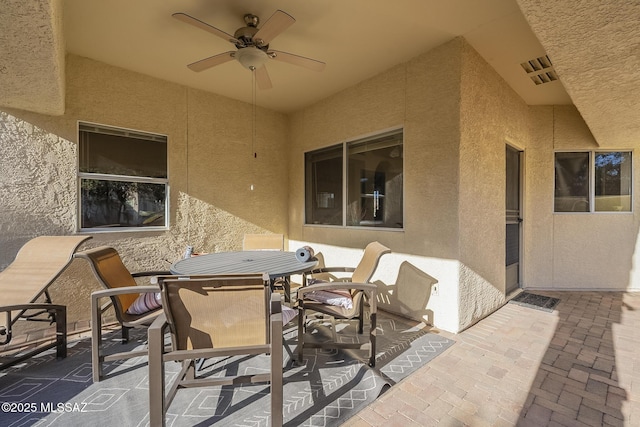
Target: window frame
592,181
345,184
114,177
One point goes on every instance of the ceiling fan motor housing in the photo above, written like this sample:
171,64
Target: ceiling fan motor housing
245,35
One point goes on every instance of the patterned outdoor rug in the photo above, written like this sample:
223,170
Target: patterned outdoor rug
328,389
538,302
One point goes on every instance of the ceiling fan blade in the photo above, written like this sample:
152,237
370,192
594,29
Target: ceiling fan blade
262,78
204,26
278,22
301,61
212,61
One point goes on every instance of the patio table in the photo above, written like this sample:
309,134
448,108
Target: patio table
274,263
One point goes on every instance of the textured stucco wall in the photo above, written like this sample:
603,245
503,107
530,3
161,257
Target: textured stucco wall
32,51
211,167
491,116
566,250
537,262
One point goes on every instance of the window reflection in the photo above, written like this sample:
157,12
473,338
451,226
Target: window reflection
374,183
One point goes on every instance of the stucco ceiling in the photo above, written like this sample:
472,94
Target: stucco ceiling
593,45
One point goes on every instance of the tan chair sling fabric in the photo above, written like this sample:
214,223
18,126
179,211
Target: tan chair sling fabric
26,280
112,273
218,320
121,289
214,316
369,262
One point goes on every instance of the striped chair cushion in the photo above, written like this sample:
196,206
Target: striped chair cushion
145,302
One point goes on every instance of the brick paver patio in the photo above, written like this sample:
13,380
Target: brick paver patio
577,366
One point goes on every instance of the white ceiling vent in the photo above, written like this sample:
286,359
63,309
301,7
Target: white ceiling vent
540,70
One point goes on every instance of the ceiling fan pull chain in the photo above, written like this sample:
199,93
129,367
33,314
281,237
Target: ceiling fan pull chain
253,127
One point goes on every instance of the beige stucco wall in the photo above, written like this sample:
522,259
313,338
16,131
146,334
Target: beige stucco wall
574,250
211,167
492,115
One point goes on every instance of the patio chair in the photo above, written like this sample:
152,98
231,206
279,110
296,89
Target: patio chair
124,294
26,280
215,316
342,299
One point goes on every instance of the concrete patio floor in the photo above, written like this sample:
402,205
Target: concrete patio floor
576,366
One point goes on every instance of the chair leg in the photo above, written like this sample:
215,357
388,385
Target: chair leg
96,339
125,334
191,370
60,317
361,317
276,371
301,321
372,339
157,384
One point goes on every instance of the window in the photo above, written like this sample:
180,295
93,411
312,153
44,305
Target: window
123,179
359,183
598,181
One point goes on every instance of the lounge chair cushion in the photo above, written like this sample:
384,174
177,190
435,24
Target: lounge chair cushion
145,302
340,298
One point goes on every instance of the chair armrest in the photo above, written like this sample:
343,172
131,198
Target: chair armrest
276,303
6,326
124,290
160,323
331,270
29,306
155,338
155,332
105,293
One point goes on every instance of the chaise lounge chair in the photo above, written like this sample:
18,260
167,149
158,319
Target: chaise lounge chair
25,283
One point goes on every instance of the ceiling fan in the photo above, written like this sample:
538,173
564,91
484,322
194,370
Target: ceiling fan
252,44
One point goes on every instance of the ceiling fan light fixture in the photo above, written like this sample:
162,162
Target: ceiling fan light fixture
251,57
